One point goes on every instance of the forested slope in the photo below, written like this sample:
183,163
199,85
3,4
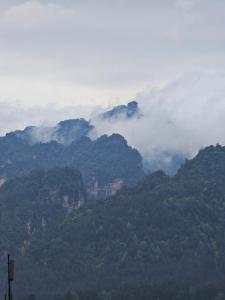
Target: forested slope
164,229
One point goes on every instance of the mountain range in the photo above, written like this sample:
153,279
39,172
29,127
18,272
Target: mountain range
34,140
164,229
84,221
106,164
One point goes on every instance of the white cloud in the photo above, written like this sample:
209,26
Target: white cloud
182,117
14,116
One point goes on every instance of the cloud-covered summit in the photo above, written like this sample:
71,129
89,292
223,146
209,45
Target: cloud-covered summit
178,120
56,56
128,111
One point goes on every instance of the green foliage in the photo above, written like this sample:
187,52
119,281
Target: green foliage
163,239
106,159
163,229
30,205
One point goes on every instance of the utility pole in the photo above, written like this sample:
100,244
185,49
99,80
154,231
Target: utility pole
10,276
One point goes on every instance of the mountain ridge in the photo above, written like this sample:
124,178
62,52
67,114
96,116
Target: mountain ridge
163,229
102,161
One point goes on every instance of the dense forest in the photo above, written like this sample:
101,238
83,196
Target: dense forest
146,291
162,239
101,162
112,150
31,204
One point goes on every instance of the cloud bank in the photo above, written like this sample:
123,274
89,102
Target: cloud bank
17,117
179,119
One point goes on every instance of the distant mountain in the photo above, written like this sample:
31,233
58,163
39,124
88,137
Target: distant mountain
164,229
65,132
72,131
168,161
122,111
106,164
68,131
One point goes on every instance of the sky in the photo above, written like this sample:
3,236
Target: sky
64,58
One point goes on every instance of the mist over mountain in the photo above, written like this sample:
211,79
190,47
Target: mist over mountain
106,164
165,124
115,120
112,150
71,131
15,116
65,132
157,227
178,119
122,111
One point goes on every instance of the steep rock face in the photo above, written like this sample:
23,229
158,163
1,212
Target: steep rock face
107,159
30,205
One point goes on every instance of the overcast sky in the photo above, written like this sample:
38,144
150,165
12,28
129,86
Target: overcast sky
87,52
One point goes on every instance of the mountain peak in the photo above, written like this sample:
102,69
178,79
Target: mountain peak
208,164
122,111
72,130
65,132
